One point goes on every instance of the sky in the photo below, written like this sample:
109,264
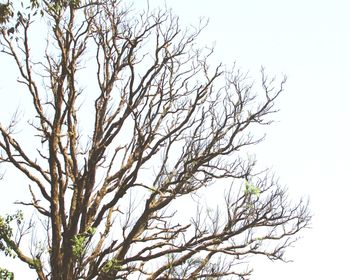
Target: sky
308,144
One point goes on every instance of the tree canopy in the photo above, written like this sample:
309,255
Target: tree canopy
130,124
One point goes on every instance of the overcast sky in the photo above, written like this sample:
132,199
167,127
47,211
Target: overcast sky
308,145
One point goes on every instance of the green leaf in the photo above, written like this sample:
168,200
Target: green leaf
251,189
6,275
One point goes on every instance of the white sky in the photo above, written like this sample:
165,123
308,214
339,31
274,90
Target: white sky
308,148
309,41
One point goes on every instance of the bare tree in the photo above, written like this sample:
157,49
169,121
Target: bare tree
130,124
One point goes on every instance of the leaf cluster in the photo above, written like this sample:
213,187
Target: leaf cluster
6,275
6,232
80,242
111,265
6,12
251,189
